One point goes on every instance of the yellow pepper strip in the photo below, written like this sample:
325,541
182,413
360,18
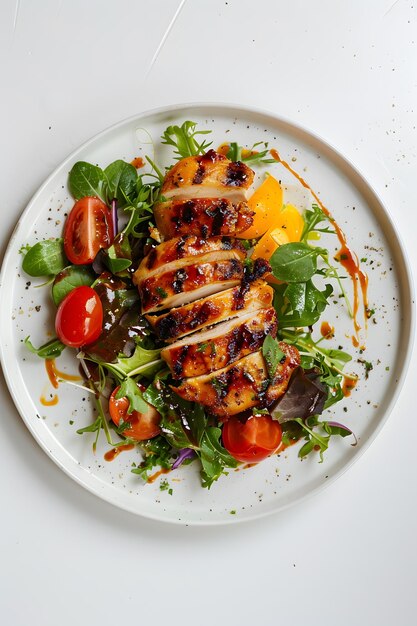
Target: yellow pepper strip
267,245
266,203
291,221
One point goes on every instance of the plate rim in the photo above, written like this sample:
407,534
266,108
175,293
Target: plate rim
407,307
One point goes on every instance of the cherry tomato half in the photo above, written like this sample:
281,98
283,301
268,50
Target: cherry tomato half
79,318
89,227
143,425
252,440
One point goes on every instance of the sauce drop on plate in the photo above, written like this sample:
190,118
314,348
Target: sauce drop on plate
326,330
54,373
157,474
114,452
51,402
348,385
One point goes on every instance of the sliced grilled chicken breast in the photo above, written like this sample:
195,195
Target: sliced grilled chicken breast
203,217
181,251
210,175
241,385
178,287
215,348
211,310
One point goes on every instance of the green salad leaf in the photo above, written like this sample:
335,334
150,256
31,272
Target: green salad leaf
214,457
272,354
129,389
68,279
300,304
49,350
183,139
142,361
157,453
45,258
295,262
86,179
121,178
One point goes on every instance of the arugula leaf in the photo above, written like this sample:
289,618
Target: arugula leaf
86,179
183,423
49,350
183,139
130,390
45,258
95,427
158,453
295,262
214,458
121,178
235,153
318,441
272,354
334,360
71,277
312,219
313,440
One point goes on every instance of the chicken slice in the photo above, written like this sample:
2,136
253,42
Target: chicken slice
241,385
210,175
216,308
216,347
178,287
203,217
181,251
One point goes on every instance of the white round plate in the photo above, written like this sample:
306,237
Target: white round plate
281,480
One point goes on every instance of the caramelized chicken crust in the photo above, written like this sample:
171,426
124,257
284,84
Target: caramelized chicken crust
203,217
208,175
241,385
182,251
178,287
213,349
211,310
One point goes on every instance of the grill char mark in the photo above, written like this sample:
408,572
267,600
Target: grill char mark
200,174
156,289
232,343
236,174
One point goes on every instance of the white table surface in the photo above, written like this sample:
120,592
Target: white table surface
347,70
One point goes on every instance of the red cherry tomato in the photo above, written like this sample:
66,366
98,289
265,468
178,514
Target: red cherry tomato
252,440
143,425
79,318
89,227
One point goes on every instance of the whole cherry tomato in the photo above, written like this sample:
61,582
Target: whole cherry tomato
79,318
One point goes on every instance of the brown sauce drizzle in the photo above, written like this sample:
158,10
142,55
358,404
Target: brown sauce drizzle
163,470
348,385
54,373
346,257
137,162
51,402
355,341
114,452
327,331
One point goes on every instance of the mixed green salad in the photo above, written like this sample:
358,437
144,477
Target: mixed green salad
89,271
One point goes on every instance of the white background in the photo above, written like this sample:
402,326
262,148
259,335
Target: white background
348,71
